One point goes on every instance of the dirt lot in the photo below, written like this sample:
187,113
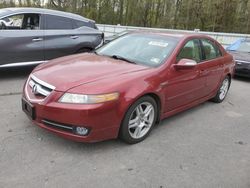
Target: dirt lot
207,146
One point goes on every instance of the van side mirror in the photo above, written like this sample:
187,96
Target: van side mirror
185,64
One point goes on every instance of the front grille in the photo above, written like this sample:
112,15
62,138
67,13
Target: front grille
58,126
39,87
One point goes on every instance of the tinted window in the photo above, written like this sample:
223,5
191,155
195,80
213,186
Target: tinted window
145,49
80,23
211,51
57,22
191,50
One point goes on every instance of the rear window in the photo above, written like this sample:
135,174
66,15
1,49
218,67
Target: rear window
79,24
211,50
58,22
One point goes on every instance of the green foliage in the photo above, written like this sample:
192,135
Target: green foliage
206,15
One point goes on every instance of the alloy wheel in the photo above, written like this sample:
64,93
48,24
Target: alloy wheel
141,120
224,89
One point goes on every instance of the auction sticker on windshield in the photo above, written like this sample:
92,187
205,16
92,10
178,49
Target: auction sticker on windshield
157,43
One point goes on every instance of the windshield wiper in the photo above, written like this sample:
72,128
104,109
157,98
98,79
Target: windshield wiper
123,59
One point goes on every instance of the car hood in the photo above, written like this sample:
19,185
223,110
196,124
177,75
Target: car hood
241,56
72,71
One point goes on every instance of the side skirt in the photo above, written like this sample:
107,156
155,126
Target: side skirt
188,106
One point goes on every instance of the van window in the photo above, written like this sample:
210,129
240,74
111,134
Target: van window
57,22
21,21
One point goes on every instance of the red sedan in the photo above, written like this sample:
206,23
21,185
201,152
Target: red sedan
125,87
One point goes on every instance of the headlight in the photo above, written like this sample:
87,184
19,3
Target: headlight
88,99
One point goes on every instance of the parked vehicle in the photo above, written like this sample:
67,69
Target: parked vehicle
127,85
35,35
241,52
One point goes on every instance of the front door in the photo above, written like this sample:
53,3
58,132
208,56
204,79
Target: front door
21,39
185,86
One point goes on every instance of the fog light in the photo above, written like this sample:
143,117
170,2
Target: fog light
81,131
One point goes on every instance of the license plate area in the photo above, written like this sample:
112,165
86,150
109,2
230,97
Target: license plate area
29,109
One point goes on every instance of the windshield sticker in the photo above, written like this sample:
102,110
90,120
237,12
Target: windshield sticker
157,43
155,60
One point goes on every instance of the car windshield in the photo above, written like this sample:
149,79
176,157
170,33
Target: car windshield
145,49
244,47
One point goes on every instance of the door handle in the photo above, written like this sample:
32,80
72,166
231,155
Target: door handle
37,39
74,37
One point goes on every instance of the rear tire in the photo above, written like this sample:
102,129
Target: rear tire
222,91
139,120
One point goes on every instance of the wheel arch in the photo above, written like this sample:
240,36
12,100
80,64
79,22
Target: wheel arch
84,49
230,78
153,95
159,105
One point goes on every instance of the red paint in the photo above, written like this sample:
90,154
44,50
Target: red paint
177,90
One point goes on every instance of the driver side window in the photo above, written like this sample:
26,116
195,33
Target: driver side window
12,22
21,21
191,50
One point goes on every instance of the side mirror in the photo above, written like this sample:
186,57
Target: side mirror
185,64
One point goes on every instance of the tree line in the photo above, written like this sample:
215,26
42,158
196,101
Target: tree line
231,16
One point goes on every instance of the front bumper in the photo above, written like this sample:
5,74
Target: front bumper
102,120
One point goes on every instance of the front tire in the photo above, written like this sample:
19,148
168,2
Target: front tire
139,120
223,90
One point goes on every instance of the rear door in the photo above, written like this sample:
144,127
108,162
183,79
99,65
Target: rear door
22,40
212,65
60,37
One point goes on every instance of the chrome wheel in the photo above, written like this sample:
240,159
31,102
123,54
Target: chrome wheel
141,120
224,89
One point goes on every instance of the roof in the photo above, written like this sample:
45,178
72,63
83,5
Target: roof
10,11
